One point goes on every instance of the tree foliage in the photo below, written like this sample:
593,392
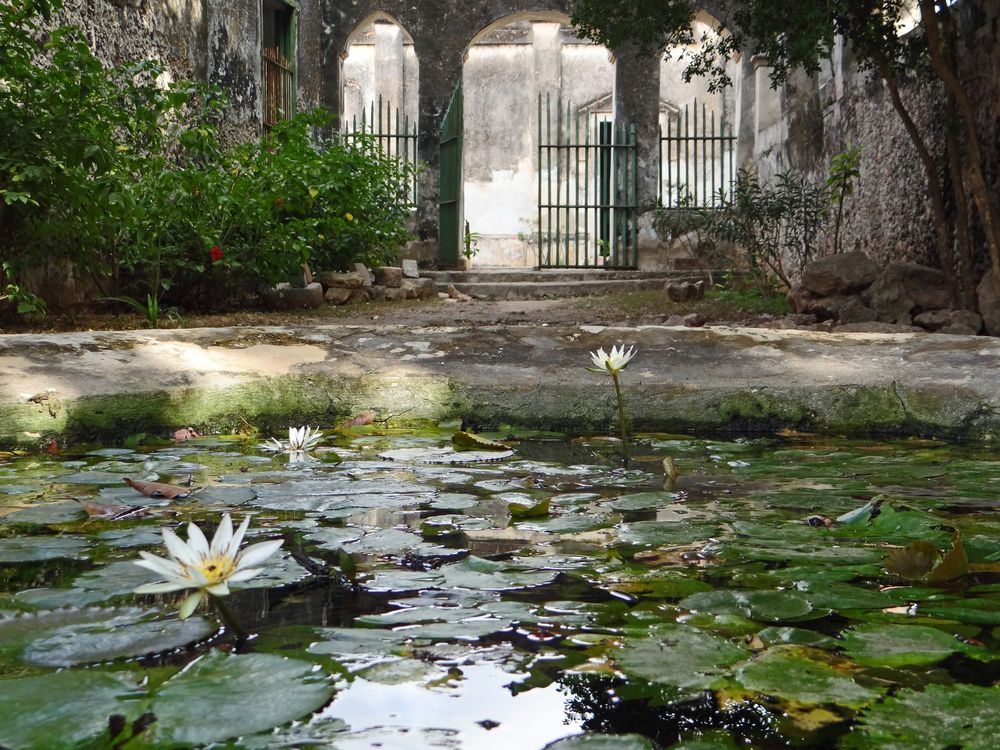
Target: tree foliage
801,34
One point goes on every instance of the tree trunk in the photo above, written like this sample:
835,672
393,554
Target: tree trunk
942,227
988,216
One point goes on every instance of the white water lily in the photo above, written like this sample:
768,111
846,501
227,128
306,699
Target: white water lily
614,362
300,440
209,568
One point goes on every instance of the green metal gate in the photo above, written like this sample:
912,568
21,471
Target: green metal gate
450,183
587,188
393,132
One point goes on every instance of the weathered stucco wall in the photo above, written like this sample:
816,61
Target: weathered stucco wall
205,40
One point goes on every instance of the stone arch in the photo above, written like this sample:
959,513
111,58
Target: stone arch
508,65
384,69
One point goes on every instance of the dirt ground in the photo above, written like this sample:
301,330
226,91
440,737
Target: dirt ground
630,309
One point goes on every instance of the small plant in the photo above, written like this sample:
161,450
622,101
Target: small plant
845,168
151,309
775,226
470,242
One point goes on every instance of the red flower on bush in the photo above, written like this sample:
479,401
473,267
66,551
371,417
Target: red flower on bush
216,253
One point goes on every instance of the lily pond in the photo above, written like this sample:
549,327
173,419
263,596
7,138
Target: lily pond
780,591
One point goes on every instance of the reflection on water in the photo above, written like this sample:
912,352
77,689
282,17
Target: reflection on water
475,708
509,603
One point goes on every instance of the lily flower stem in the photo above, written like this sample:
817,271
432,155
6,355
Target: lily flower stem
230,620
621,417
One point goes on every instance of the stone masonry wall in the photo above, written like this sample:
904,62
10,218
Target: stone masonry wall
888,217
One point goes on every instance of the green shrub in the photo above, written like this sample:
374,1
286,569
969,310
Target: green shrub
125,179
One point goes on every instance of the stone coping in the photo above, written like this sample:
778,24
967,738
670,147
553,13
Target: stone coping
108,385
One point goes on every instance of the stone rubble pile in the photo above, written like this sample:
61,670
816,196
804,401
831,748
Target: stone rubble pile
848,292
360,285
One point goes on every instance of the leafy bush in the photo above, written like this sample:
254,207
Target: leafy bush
776,227
107,170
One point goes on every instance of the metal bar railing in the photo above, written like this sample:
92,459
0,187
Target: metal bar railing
392,130
587,189
697,159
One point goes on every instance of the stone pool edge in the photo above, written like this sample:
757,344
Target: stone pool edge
109,385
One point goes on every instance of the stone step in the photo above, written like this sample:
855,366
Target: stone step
525,284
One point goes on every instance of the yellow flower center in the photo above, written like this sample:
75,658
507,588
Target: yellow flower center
217,569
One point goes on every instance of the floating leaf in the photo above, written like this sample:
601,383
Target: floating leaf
111,638
538,509
362,419
772,606
914,561
938,717
157,489
805,675
226,695
877,645
684,659
61,710
445,455
38,548
954,564
470,441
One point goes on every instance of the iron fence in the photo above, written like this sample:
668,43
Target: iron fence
392,130
697,159
279,87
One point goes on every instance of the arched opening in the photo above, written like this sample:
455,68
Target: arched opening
380,80
509,67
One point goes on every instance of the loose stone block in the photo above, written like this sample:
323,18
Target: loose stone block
343,280
362,270
422,288
389,276
338,295
295,298
410,269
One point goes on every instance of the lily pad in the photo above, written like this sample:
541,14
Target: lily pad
46,514
125,635
685,660
38,548
61,710
878,645
770,606
940,716
445,455
802,674
226,695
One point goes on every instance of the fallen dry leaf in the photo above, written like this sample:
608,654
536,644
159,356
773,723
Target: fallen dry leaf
185,433
365,417
157,489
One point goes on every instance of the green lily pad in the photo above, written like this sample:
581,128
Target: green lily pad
802,674
899,645
38,548
398,671
771,606
683,659
641,501
61,710
938,717
226,695
476,573
465,441
112,638
46,514
445,455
